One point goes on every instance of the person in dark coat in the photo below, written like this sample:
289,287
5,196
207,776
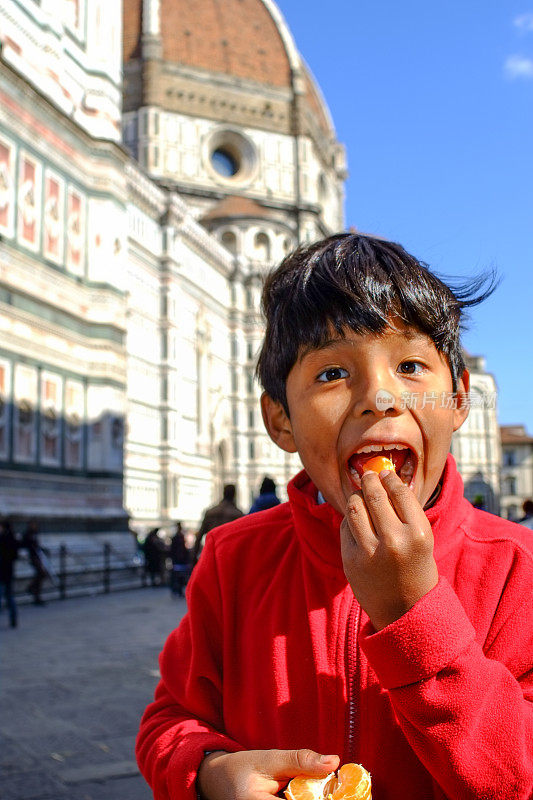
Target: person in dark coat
30,542
180,561
225,511
8,555
154,557
267,496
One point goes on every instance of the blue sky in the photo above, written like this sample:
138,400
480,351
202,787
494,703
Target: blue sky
434,102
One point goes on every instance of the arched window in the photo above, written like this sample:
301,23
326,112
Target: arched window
262,247
229,240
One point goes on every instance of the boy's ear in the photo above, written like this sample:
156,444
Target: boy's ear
277,423
461,412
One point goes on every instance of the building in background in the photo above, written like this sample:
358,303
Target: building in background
222,114
221,106
152,168
63,293
476,445
517,470
130,275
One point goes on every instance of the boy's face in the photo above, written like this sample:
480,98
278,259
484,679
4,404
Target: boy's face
364,395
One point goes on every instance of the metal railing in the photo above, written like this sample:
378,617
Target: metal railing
75,570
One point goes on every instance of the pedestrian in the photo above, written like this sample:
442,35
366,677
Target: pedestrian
37,556
527,519
8,554
377,617
225,511
180,561
154,557
267,496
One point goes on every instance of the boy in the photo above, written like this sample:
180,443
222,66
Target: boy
372,618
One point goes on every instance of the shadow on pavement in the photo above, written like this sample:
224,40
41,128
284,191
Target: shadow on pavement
75,677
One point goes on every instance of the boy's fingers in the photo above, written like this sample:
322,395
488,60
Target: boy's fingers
359,523
383,515
259,774
402,498
289,763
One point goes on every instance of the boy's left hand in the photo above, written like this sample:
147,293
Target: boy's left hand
387,548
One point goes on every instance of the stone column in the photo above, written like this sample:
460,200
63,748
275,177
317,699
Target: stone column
151,30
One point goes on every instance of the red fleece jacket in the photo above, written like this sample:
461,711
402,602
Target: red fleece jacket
275,652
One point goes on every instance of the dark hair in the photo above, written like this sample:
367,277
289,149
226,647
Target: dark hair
527,507
268,486
229,492
351,280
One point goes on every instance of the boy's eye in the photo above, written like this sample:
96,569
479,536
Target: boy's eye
410,368
333,374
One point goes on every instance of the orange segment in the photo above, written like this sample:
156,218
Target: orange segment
377,463
351,783
304,788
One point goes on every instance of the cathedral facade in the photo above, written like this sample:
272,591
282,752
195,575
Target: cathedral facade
155,161
153,166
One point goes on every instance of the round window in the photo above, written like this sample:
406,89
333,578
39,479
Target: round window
230,156
224,162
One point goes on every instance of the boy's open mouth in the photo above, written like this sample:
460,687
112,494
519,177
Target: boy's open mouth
402,456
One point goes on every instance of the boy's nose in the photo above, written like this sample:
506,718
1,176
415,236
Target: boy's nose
378,398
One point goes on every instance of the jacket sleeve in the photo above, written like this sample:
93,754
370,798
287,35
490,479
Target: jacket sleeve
466,709
186,717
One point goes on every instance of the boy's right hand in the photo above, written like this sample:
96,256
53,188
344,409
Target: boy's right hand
258,774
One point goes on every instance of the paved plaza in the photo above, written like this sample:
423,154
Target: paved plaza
75,677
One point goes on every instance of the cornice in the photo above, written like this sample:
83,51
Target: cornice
143,189
178,216
208,95
221,80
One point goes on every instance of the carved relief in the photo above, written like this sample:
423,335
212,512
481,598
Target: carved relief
29,199
75,231
54,193
7,186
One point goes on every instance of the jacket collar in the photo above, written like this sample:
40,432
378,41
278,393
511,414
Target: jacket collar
449,511
317,524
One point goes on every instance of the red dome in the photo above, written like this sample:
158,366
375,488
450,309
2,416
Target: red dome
236,37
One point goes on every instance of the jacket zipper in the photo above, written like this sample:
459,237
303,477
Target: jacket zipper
351,678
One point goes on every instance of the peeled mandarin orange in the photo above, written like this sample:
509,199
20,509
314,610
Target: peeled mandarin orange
351,783
304,788
377,463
